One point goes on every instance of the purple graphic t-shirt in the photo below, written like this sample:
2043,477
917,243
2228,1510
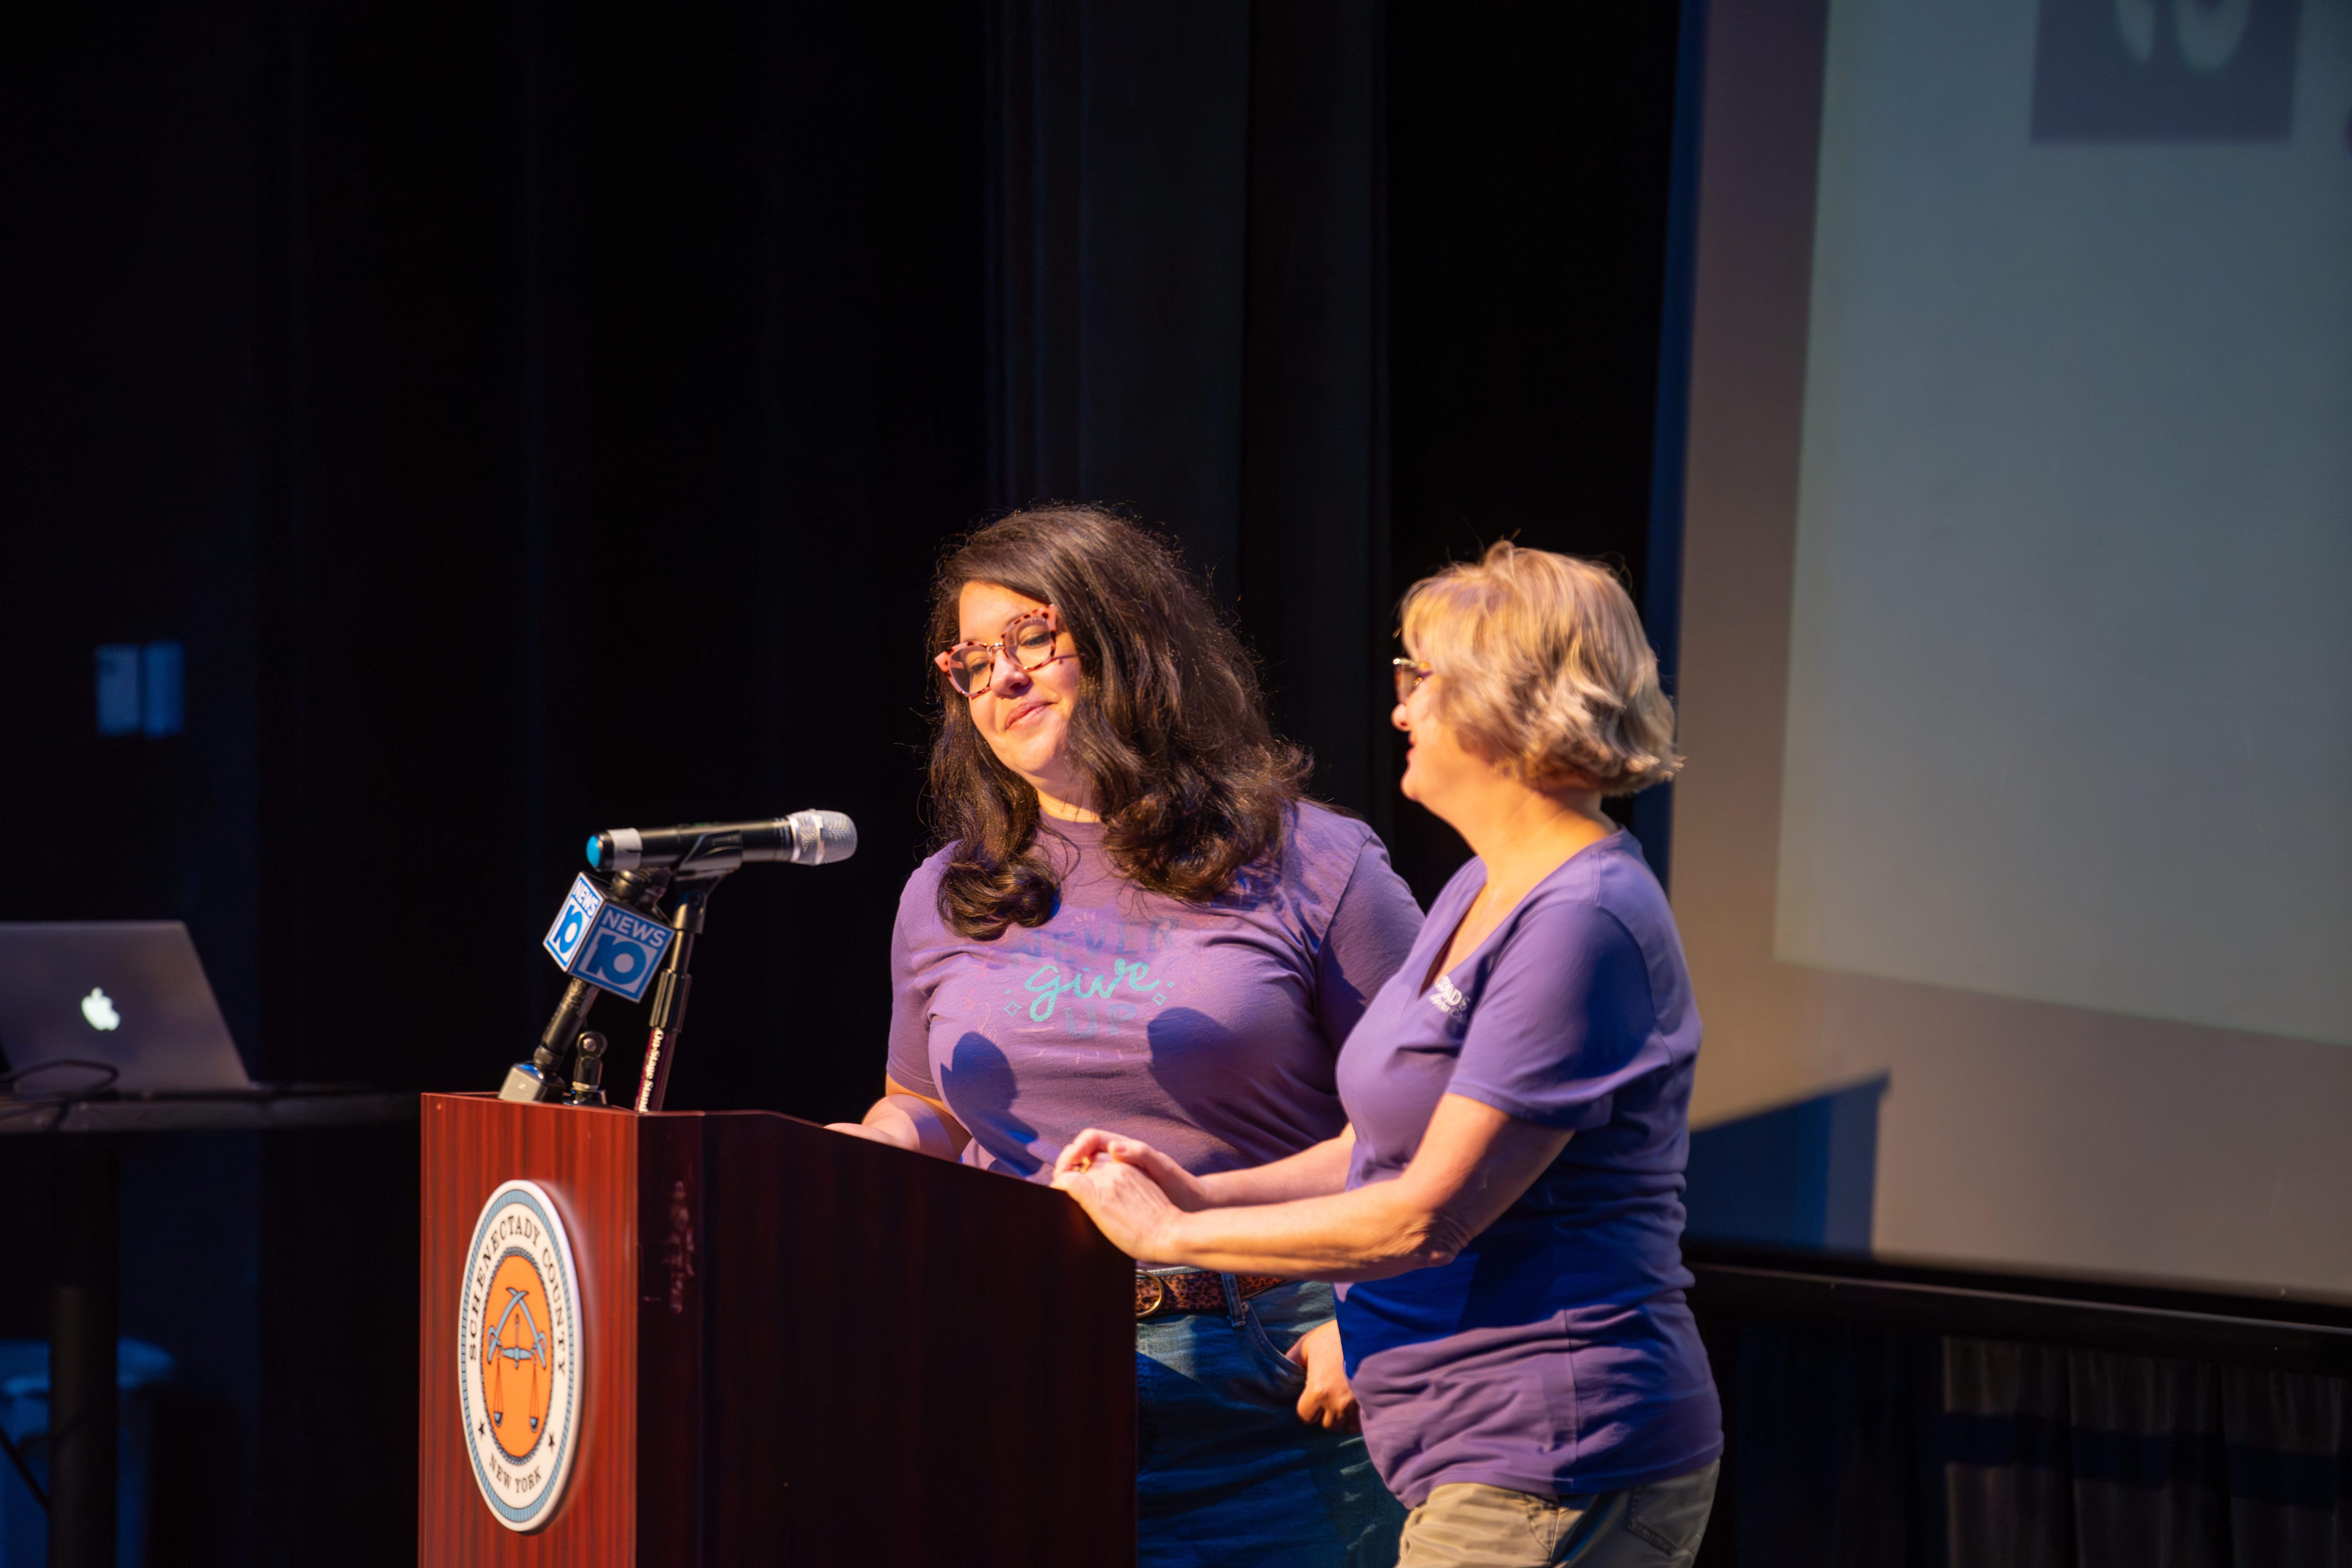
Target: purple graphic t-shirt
1209,1031
1556,1354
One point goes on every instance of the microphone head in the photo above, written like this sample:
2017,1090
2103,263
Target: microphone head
821,838
619,851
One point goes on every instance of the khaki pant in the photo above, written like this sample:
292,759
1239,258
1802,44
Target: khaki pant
1655,1526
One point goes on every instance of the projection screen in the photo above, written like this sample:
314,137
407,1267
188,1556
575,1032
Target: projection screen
2016,663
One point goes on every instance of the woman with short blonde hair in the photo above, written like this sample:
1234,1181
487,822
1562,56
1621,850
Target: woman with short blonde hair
1546,668
1505,1203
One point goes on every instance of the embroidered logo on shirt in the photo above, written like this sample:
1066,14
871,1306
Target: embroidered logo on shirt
1447,999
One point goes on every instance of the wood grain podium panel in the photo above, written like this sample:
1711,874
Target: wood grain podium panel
962,1392
587,1161
797,1347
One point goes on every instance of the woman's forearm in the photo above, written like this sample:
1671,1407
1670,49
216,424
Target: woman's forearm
1312,1173
915,1122
1474,1161
1370,1233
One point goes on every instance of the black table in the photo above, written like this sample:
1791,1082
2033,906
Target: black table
85,1264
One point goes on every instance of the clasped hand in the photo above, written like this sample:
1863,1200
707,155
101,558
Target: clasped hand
1135,1194
1132,1191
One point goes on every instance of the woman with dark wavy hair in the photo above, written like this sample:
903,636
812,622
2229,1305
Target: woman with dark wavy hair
1136,919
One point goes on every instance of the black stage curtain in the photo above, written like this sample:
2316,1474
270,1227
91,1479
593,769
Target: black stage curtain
1186,245
536,418
1337,293
539,419
1884,1449
530,418
622,377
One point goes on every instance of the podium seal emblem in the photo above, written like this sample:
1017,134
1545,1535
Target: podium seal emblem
519,1355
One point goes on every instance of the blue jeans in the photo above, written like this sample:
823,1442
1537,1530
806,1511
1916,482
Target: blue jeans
1227,1475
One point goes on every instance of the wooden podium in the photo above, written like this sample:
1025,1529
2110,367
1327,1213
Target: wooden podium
795,1347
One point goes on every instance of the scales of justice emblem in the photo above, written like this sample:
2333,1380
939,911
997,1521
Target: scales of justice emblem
519,1355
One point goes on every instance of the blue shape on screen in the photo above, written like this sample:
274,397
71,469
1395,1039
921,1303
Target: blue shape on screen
2165,70
1801,1176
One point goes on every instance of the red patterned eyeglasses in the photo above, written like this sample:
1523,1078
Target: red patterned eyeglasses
1029,642
1409,674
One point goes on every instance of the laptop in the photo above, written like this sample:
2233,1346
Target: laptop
128,994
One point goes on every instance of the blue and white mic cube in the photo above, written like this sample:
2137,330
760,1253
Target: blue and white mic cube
609,945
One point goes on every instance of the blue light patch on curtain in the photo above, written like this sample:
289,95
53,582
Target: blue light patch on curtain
140,689
159,688
117,689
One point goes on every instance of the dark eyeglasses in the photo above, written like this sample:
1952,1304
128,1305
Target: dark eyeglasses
1409,674
1029,643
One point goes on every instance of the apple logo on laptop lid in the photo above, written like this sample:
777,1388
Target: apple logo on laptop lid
98,1008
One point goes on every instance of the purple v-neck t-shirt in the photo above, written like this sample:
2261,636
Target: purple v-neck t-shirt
1556,1354
1210,1031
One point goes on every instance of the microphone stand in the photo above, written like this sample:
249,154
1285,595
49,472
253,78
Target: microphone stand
669,1012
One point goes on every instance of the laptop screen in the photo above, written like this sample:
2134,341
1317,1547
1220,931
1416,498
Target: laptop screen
127,995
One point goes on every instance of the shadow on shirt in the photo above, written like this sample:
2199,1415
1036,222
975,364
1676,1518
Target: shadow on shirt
980,1083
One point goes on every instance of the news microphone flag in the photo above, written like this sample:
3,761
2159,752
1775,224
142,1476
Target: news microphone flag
609,945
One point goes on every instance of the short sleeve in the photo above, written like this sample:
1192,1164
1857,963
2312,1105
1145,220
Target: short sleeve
1372,929
911,990
1563,1019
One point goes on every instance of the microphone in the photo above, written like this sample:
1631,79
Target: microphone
709,848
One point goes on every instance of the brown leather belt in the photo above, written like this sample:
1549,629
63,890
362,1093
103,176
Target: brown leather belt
1193,1290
